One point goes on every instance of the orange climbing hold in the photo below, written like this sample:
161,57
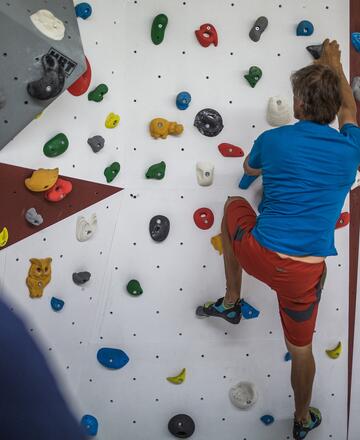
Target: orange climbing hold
343,221
39,276
216,241
161,128
59,191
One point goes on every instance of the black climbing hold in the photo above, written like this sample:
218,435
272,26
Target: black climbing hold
52,82
181,426
159,228
315,50
259,26
96,143
209,122
81,278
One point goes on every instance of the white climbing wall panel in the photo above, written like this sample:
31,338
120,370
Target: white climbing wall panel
158,330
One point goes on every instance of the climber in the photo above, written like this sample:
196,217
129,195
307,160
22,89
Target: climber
308,169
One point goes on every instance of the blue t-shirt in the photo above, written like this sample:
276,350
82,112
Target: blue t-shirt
308,169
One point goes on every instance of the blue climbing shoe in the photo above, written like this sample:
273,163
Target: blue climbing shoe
231,314
301,430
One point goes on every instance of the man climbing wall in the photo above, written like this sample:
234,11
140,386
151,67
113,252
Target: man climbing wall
308,169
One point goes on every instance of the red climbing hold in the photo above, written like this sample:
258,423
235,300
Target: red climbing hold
343,221
207,35
80,86
59,191
204,218
229,150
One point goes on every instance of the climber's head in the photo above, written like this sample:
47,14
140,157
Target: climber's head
317,94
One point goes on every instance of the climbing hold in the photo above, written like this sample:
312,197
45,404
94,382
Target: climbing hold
96,143
304,29
2,99
267,419
112,120
59,191
204,218
259,27
254,75
205,173
83,10
52,81
209,122
49,25
86,229
229,150
134,288
90,425
39,276
98,93
343,221
156,171
183,100
243,395
158,28
4,237
112,358
161,128
81,278
335,352
287,357
248,311
159,228
81,85
179,379
56,145
216,242
112,171
207,35
56,304
355,39
42,179
355,88
315,50
181,426
246,181
279,111
33,217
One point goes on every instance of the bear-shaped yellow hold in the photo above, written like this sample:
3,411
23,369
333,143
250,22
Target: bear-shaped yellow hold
42,179
112,120
161,128
4,237
39,276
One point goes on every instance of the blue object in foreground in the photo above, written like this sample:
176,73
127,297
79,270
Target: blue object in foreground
267,419
183,100
248,311
56,304
355,39
246,181
112,358
287,357
305,28
90,425
83,10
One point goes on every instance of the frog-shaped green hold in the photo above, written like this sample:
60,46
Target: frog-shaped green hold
56,145
156,171
254,75
158,28
134,288
112,171
98,93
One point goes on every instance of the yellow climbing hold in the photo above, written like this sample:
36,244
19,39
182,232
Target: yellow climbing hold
161,128
38,116
4,237
217,243
179,379
335,352
42,179
112,120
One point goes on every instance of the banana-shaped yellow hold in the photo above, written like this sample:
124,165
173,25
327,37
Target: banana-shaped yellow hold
4,237
335,352
179,379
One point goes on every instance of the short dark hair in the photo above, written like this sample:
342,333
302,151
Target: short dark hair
318,87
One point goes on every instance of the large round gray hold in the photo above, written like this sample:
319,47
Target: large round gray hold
356,87
52,81
209,122
181,426
81,278
2,100
33,217
159,228
259,26
96,143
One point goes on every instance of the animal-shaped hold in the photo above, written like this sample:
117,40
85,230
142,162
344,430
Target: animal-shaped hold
161,128
207,35
355,39
204,218
2,99
267,419
158,28
243,395
112,120
254,76
46,23
39,276
183,100
216,243
259,27
59,191
4,237
248,311
279,111
205,173
315,50
112,358
355,85
80,278
246,181
181,426
209,122
33,217
156,171
179,379
97,95
96,143
134,288
83,10
230,150
90,425
112,171
343,220
56,304
304,29
86,229
52,82
335,353
82,84
42,179
159,228
56,145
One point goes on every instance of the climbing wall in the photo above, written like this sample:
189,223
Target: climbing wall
158,330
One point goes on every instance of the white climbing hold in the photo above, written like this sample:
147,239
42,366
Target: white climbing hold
86,229
243,395
205,173
46,22
279,111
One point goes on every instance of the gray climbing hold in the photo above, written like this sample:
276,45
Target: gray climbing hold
356,87
81,278
33,217
259,26
96,143
2,100
315,50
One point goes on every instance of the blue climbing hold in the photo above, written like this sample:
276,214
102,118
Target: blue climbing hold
287,357
83,10
246,181
90,425
248,311
56,304
267,419
355,39
183,100
305,28
112,358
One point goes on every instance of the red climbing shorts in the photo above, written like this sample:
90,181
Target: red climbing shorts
298,285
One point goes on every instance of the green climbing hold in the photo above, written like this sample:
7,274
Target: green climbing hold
156,171
112,171
98,93
254,75
158,28
56,145
134,288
